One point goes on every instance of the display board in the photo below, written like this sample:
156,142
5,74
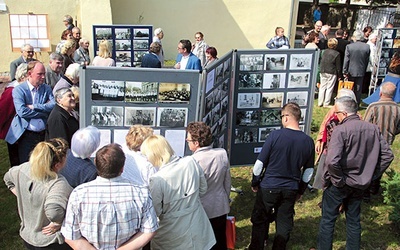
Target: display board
265,80
215,105
129,42
113,99
388,42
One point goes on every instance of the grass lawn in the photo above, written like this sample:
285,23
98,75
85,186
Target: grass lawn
378,233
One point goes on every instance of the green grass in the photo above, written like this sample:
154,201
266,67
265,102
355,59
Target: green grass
378,233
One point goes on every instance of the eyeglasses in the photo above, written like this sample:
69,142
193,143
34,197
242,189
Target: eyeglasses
179,48
188,140
284,116
29,51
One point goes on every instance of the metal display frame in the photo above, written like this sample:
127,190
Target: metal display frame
115,103
265,80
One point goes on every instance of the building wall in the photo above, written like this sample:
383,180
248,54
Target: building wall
226,24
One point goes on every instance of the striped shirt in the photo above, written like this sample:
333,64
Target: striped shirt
108,212
385,113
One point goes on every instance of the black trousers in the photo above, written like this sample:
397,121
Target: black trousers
219,227
54,246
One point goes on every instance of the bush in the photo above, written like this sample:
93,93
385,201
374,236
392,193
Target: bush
391,194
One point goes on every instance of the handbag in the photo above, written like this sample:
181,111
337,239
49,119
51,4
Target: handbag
230,232
345,84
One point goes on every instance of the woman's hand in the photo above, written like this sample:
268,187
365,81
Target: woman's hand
319,146
52,228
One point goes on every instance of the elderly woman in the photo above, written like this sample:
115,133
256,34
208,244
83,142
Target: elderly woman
67,51
137,169
176,190
81,55
79,168
69,79
330,71
42,195
199,47
104,58
65,35
211,55
215,164
158,36
7,111
61,122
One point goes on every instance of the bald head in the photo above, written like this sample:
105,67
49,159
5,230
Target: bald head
388,89
318,26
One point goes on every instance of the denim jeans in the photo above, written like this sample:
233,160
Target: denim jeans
267,200
332,198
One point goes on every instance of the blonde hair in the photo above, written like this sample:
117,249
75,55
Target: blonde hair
75,91
157,150
136,135
105,49
70,43
45,156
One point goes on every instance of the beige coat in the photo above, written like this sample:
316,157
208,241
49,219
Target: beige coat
176,190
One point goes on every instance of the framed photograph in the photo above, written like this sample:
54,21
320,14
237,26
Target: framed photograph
222,123
270,117
247,118
122,56
123,64
219,73
227,68
172,117
108,90
216,113
144,116
384,62
103,34
381,71
123,33
138,55
300,61
274,80
387,43
174,93
141,92
303,115
387,34
264,132
210,80
302,128
218,94
385,53
275,62
207,119
108,116
141,44
301,98
224,105
251,62
299,80
209,102
248,100
141,33
221,141
224,88
123,45
250,80
272,99
246,135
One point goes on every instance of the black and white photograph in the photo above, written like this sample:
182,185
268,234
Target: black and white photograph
215,131
272,99
174,93
218,94
264,132
275,62
381,71
299,80
221,141
385,53
222,123
207,119
302,128
210,80
216,113
123,64
141,33
122,45
138,56
103,34
141,44
122,56
387,34
144,116
303,115
107,116
387,43
250,80
274,80
209,103
248,100
227,68
172,117
123,33
301,98
270,117
300,61
141,92
219,73
251,62
248,118
384,62
246,135
225,87
108,90
224,105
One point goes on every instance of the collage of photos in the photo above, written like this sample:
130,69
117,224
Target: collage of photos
388,43
129,43
265,82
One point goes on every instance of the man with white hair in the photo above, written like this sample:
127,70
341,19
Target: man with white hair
27,53
158,35
356,58
323,37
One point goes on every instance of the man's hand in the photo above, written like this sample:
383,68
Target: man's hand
255,189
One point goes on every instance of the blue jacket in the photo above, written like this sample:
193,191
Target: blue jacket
22,97
193,62
150,60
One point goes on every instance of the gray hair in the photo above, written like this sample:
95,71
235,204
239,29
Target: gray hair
56,57
22,72
357,35
23,47
388,89
83,40
73,71
157,31
346,104
85,141
346,92
68,18
60,93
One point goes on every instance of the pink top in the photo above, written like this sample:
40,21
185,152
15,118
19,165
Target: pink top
103,62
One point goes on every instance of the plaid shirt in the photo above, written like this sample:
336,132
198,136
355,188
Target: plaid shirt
276,42
108,212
